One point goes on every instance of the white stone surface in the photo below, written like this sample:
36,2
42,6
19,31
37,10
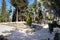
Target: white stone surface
4,28
26,34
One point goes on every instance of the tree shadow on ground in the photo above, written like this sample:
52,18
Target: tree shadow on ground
37,35
34,26
16,35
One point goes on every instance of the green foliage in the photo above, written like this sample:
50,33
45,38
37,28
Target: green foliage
35,4
0,17
20,6
37,18
22,17
52,25
49,16
4,14
55,5
29,19
3,8
40,15
36,7
56,36
19,3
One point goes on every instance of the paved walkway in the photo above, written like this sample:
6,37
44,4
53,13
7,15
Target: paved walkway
25,34
42,34
4,28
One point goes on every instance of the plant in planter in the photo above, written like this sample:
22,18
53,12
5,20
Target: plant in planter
29,19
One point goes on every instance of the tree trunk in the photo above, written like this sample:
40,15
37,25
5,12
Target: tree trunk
34,16
35,6
35,13
17,16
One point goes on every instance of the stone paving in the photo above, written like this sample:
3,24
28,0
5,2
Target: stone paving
25,33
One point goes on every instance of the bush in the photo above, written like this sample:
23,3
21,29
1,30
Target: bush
49,16
55,23
22,17
52,25
56,36
2,37
29,19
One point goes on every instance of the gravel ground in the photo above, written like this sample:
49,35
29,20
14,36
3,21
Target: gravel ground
25,34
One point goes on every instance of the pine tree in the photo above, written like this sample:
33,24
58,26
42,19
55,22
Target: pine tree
3,11
29,19
19,5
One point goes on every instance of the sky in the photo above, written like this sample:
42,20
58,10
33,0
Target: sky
8,3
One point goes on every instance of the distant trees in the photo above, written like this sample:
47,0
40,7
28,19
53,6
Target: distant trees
4,13
36,10
0,17
51,6
40,16
35,7
20,5
55,6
